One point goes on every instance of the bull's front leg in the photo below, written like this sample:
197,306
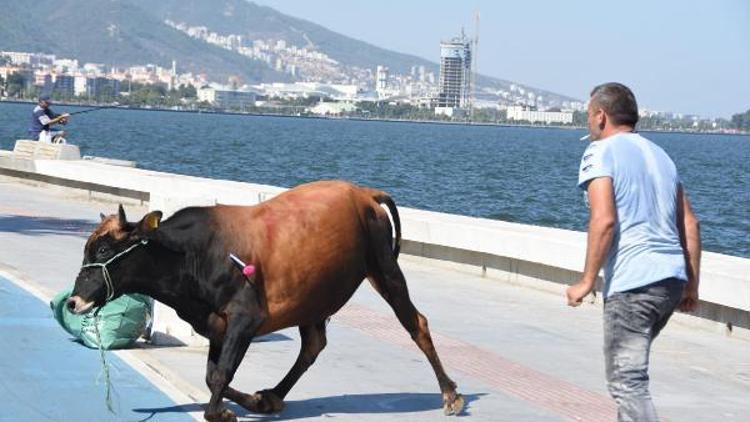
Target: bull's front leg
243,317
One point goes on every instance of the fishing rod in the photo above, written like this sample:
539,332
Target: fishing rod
93,109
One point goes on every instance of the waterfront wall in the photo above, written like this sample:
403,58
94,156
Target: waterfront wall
537,257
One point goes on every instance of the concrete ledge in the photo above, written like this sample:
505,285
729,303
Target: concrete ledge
33,150
530,274
507,269
76,184
507,251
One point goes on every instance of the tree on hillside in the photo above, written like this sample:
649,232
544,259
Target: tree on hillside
301,101
186,91
106,93
741,121
15,85
580,118
487,115
154,95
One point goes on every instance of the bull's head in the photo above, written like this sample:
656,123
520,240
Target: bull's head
110,259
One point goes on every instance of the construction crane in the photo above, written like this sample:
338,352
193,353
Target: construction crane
475,66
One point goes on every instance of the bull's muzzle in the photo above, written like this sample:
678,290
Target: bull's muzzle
77,305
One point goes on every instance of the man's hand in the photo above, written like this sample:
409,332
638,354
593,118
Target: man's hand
61,118
578,291
690,238
689,301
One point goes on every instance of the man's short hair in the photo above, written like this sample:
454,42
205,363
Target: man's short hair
617,101
44,97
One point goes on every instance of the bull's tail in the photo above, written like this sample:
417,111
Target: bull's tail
383,198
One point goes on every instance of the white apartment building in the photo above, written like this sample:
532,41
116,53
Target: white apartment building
381,80
225,98
534,116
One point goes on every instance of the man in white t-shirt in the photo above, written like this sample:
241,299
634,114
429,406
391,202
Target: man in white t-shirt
643,233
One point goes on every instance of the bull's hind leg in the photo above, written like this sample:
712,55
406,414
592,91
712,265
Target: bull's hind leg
389,281
272,400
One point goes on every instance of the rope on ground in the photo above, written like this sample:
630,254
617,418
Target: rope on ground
105,367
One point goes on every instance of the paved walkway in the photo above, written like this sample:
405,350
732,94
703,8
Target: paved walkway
518,354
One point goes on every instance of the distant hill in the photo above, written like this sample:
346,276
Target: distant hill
127,32
116,33
261,22
255,21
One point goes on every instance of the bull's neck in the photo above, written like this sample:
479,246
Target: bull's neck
161,278
166,290
173,282
169,284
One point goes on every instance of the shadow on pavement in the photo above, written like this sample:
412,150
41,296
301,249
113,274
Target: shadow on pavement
36,226
350,404
180,408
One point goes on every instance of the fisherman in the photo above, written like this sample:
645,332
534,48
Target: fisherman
42,120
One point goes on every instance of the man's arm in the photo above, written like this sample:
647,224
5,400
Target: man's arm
690,238
46,120
60,118
601,231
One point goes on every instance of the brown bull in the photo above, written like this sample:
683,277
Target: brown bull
312,246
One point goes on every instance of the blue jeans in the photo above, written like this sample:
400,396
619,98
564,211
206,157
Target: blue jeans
632,320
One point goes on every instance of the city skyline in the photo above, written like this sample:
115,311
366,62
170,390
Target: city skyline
690,58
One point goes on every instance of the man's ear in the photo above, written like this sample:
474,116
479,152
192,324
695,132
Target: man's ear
601,118
149,222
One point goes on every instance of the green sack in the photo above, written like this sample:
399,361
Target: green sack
121,322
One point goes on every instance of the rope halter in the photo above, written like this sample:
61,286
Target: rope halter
105,273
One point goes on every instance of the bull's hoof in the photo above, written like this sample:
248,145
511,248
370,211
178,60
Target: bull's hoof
267,402
225,415
248,401
453,403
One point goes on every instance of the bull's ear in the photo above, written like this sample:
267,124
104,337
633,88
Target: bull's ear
150,222
122,219
102,216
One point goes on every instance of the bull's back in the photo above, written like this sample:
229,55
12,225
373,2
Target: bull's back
310,245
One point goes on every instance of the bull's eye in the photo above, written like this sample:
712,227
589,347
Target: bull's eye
101,251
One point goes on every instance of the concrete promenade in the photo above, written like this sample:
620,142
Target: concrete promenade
517,353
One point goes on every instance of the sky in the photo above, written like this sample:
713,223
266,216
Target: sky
684,56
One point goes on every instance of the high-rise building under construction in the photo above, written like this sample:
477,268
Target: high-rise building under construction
455,73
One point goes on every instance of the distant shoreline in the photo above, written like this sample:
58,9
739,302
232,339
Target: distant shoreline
362,119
